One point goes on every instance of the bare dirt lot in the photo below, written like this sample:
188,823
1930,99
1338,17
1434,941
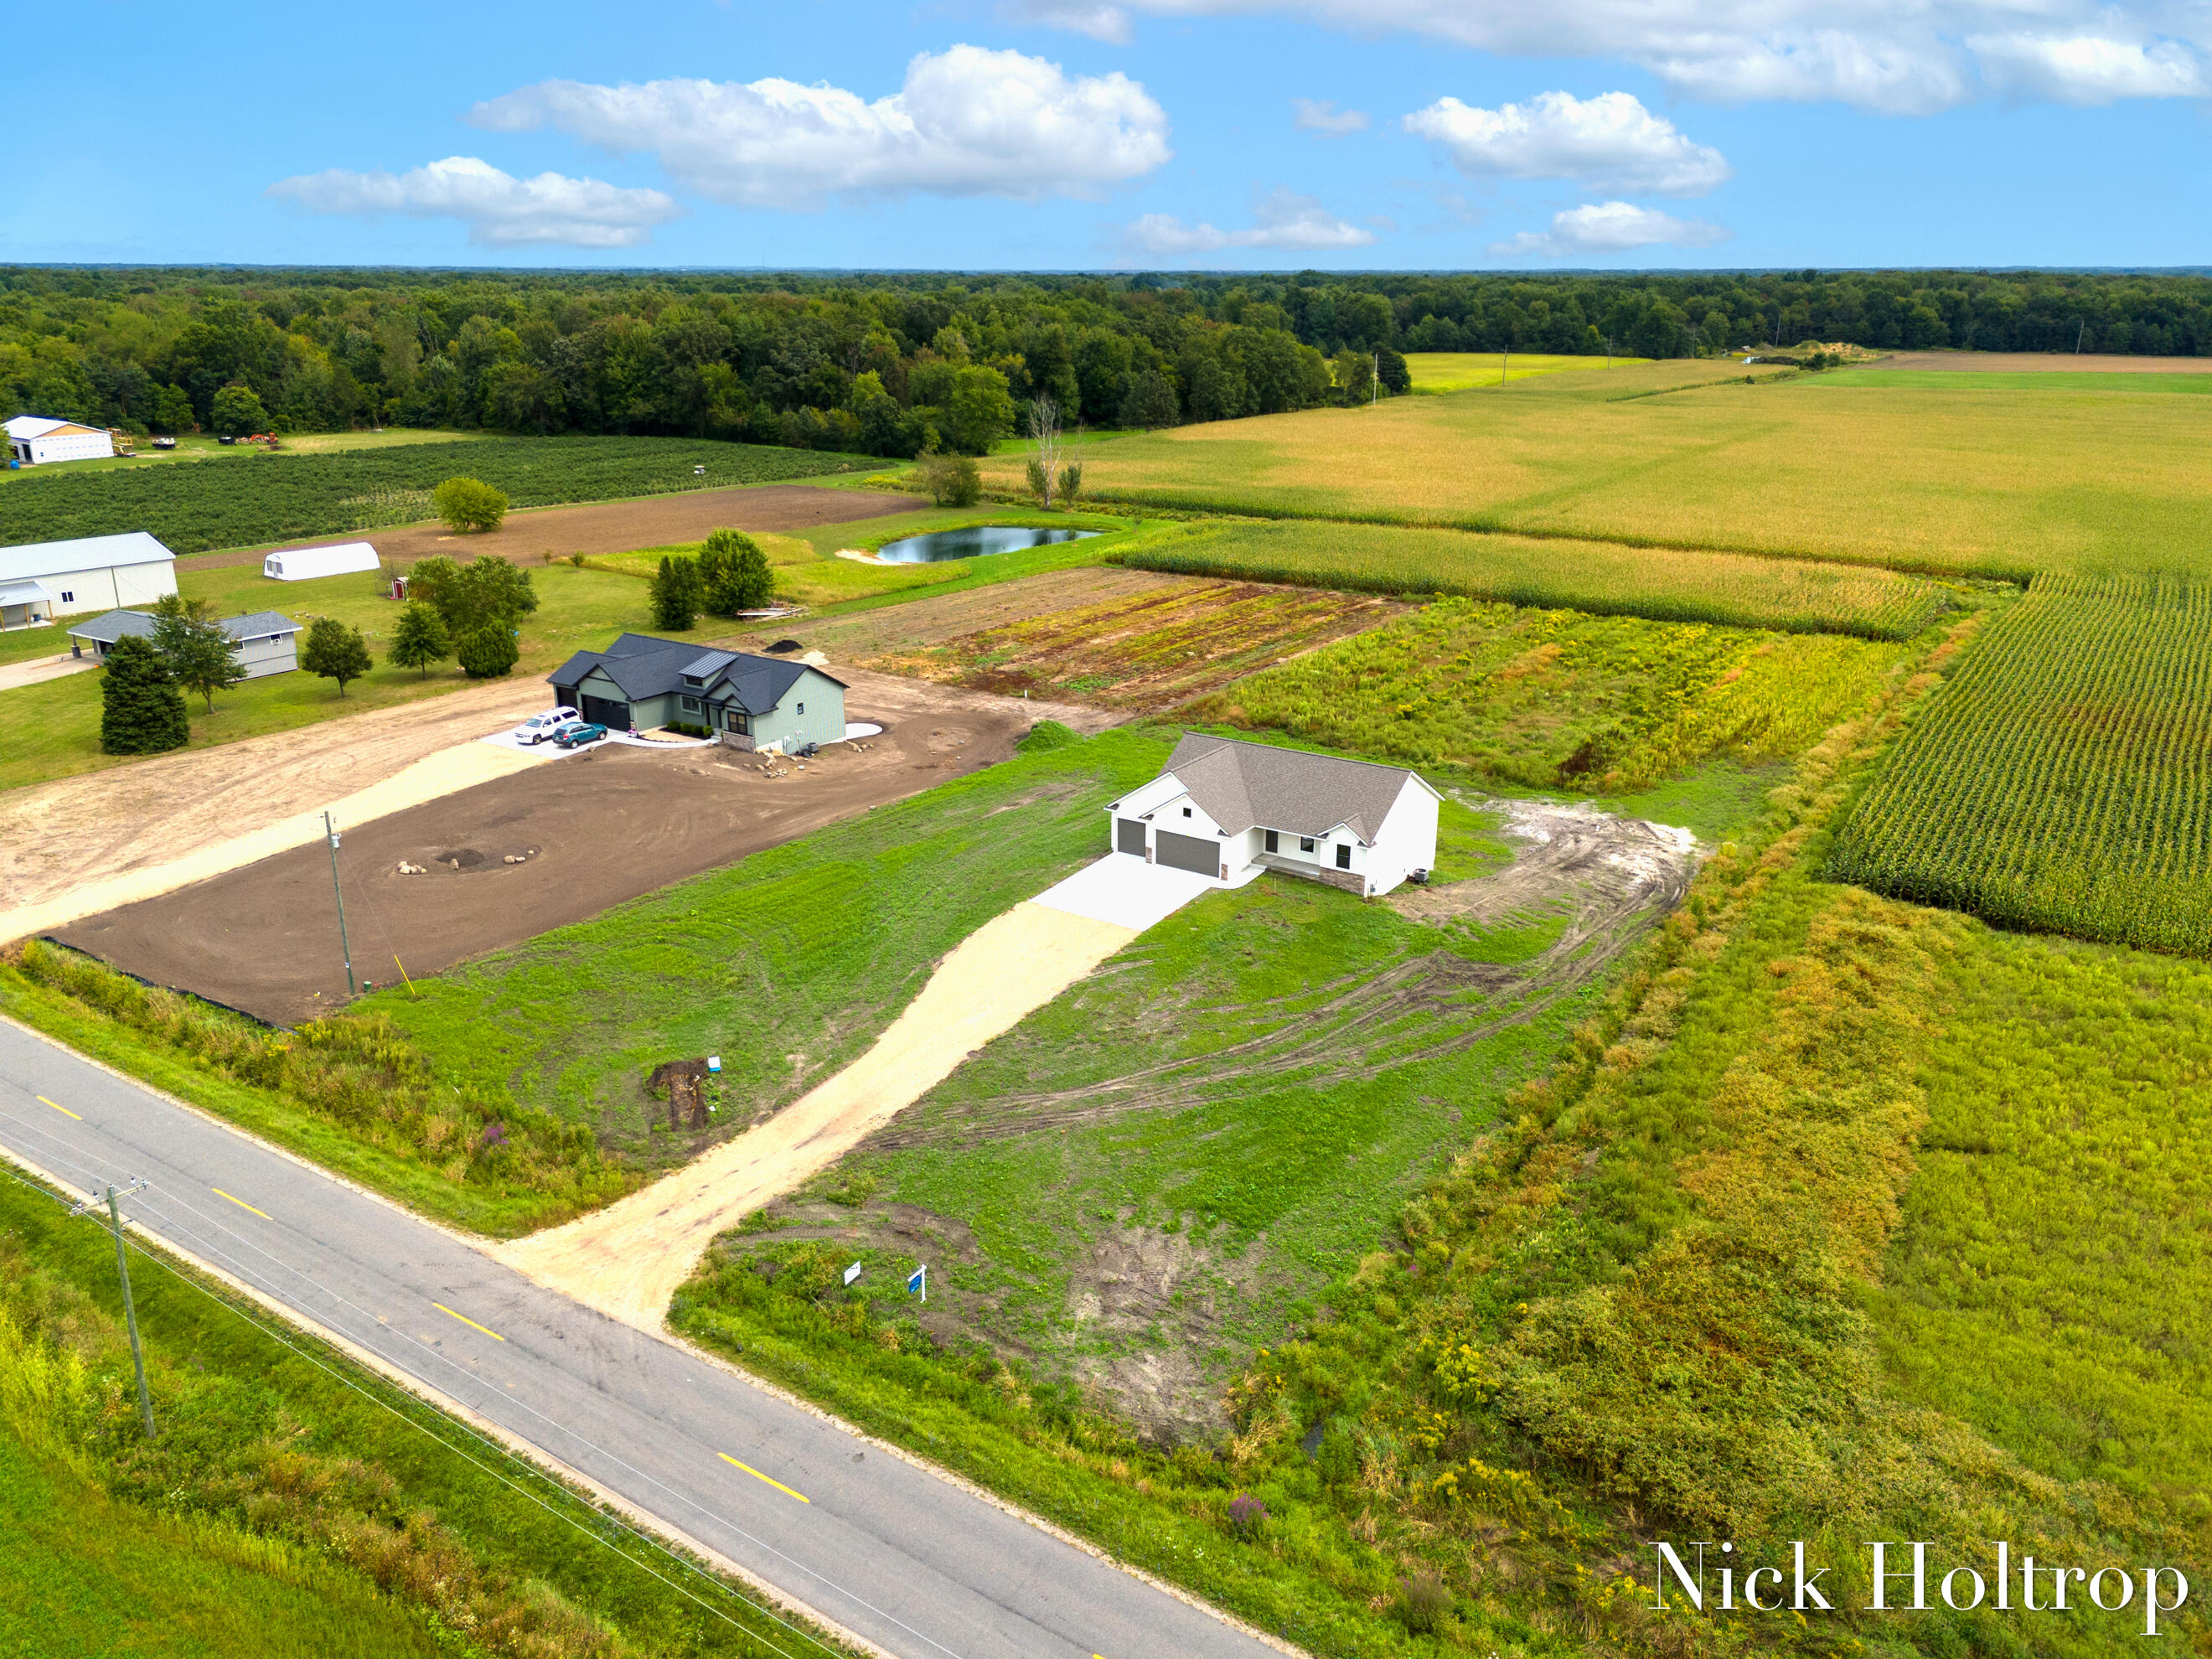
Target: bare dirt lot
1122,639
2030,362
599,527
60,835
591,830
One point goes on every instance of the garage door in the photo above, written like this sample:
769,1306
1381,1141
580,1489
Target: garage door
603,711
1189,852
1129,836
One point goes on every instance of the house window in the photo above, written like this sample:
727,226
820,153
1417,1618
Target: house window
1185,812
1344,855
68,598
1272,840
1305,843
802,708
691,705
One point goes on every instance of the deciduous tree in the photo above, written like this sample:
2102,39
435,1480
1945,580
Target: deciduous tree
470,504
420,639
336,651
200,655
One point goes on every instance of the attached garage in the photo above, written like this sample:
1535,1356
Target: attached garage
1129,836
615,716
1200,858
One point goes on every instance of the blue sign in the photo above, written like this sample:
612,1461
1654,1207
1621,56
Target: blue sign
919,1280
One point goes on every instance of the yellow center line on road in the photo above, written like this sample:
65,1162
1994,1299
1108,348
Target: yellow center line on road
468,1322
58,1106
242,1203
757,1475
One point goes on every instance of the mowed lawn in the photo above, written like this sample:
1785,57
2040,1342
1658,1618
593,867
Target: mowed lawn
1995,476
787,963
54,727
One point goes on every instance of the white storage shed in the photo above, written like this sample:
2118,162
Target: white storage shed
300,564
35,439
90,572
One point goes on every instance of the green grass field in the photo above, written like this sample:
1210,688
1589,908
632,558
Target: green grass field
1462,371
1665,585
57,722
203,447
1558,700
293,1504
809,572
822,941
2096,474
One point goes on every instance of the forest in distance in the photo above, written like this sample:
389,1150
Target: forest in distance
888,364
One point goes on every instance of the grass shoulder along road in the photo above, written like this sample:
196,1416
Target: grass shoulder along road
295,1504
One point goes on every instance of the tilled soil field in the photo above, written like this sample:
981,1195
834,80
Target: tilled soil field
587,832
1119,638
602,527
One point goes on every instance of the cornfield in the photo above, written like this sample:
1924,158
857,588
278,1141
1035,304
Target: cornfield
2059,782
1597,578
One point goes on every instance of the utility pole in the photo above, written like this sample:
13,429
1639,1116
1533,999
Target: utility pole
1374,378
332,830
2078,334
130,1307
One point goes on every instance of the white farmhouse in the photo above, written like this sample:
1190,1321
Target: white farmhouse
1226,810
40,580
35,439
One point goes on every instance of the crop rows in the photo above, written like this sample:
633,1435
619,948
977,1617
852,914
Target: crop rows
2059,782
1601,579
250,500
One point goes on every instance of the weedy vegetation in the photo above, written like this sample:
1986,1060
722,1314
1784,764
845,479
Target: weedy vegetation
1663,584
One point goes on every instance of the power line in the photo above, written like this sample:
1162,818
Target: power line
424,1429
580,1438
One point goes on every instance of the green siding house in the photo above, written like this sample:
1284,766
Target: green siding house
749,702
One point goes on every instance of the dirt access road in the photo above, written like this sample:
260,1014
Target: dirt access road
598,527
591,831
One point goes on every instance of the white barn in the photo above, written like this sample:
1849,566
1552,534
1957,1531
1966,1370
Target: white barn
300,564
1224,810
35,439
40,580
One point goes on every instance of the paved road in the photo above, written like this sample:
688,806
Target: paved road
890,1551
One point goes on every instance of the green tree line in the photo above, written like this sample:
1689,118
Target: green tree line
895,364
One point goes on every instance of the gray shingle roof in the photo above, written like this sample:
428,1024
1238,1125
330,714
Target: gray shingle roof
1242,786
111,627
644,666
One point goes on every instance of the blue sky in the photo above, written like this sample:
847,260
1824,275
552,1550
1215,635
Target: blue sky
1154,133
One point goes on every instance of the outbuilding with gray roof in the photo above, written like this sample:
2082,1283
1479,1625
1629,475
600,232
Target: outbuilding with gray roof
264,641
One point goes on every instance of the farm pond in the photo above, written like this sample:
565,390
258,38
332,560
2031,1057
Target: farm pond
973,539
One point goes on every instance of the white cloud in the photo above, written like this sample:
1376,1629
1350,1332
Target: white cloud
1282,221
1323,116
1096,18
1899,56
1609,227
967,122
500,210
1610,141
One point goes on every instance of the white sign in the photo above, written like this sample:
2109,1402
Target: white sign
852,1272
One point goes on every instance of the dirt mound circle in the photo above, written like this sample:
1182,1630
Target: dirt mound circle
462,858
